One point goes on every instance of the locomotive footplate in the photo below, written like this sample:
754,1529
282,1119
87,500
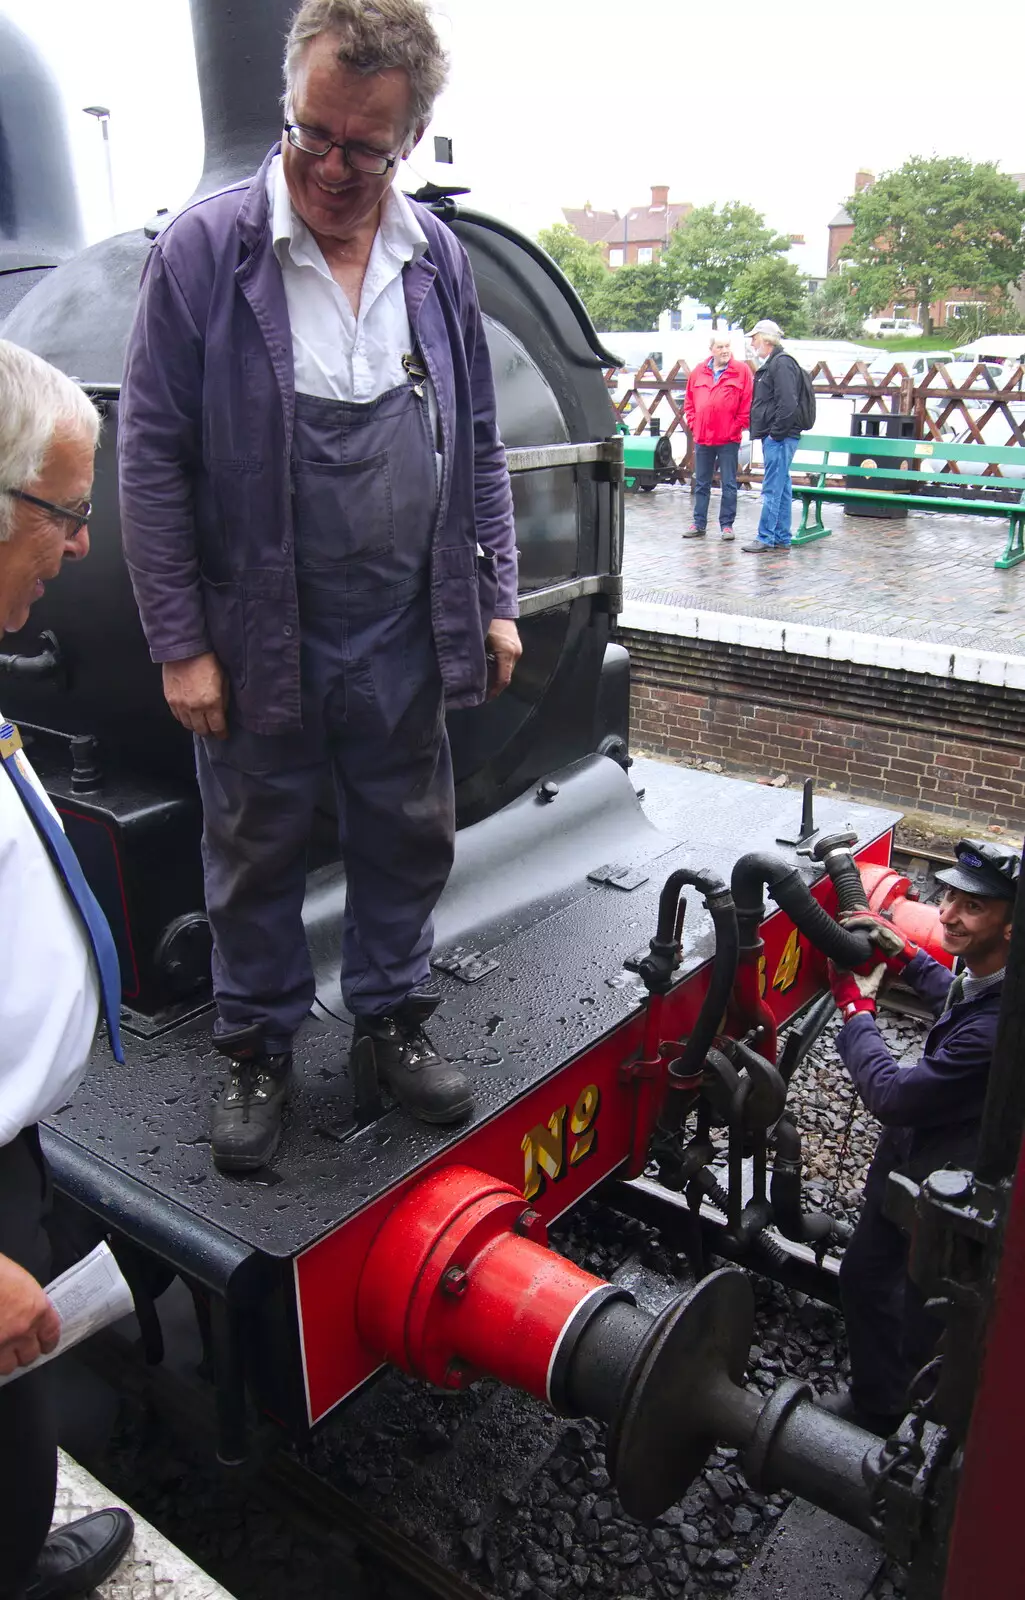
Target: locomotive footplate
547,1034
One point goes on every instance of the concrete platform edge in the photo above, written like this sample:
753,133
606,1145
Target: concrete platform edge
153,1569
812,1556
833,644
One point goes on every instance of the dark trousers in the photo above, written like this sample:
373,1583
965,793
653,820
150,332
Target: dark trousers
706,456
28,1424
889,1333
376,723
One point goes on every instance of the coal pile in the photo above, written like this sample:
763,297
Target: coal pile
823,1102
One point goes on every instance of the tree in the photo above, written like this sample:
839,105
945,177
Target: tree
631,299
937,224
997,315
837,310
769,287
711,248
583,263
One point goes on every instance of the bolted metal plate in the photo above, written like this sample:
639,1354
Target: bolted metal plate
469,966
660,1440
619,877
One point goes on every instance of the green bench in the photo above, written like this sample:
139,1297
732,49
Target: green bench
885,458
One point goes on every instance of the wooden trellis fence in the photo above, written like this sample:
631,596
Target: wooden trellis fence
936,402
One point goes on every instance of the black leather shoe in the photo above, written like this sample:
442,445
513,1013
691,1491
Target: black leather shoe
840,1403
81,1555
406,1061
245,1128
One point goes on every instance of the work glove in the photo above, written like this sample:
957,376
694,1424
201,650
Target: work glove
896,950
855,991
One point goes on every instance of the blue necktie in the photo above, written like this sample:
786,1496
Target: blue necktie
73,878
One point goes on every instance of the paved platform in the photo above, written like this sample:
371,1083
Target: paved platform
153,1569
924,578
811,1556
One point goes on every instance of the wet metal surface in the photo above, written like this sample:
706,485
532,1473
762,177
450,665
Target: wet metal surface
558,989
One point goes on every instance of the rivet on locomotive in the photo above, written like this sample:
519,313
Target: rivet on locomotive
607,1038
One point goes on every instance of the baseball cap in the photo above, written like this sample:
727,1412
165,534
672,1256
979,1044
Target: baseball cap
983,868
771,330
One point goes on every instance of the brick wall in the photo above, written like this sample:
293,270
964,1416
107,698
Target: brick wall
928,743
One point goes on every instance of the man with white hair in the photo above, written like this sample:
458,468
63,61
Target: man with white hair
779,414
717,409
57,962
318,521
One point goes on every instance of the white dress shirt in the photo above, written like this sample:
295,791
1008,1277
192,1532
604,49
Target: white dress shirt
338,354
49,987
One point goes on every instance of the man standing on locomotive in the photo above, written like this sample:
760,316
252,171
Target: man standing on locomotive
318,521
930,1112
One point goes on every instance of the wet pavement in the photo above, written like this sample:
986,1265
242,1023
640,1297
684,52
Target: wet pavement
925,577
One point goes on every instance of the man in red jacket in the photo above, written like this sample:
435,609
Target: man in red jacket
717,409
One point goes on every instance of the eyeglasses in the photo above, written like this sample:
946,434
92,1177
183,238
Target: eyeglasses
79,515
357,156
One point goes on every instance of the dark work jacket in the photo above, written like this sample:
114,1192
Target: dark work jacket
930,1112
776,402
204,448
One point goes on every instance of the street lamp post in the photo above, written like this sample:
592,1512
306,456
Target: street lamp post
102,115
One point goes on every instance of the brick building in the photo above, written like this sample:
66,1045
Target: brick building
637,237
943,311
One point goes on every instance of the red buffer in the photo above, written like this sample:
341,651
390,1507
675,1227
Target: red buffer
459,1282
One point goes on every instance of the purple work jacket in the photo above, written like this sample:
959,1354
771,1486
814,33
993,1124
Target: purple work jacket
204,447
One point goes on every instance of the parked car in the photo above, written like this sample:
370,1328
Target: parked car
916,365
1007,349
881,327
959,373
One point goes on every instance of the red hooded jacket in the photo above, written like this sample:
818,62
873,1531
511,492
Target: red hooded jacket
718,413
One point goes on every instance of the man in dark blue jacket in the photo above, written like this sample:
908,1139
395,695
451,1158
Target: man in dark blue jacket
930,1113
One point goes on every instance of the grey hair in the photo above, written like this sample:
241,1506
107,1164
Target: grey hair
374,35
37,401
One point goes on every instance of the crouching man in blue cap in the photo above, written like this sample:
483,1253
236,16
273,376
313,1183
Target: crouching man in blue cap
930,1112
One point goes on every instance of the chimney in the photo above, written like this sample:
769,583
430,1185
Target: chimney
659,195
239,50
863,179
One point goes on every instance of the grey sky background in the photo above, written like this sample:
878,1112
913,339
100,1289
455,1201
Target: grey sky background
557,102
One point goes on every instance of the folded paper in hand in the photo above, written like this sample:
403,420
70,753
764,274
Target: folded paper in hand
87,1297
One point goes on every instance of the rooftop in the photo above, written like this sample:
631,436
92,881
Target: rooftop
642,224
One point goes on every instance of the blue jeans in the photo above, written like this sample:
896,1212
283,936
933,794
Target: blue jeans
705,457
777,498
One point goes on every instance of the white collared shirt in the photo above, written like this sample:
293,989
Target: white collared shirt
337,354
49,988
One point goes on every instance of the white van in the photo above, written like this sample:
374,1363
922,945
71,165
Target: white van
1003,349
883,327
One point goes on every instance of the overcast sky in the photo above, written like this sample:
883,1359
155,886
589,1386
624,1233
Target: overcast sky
558,102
